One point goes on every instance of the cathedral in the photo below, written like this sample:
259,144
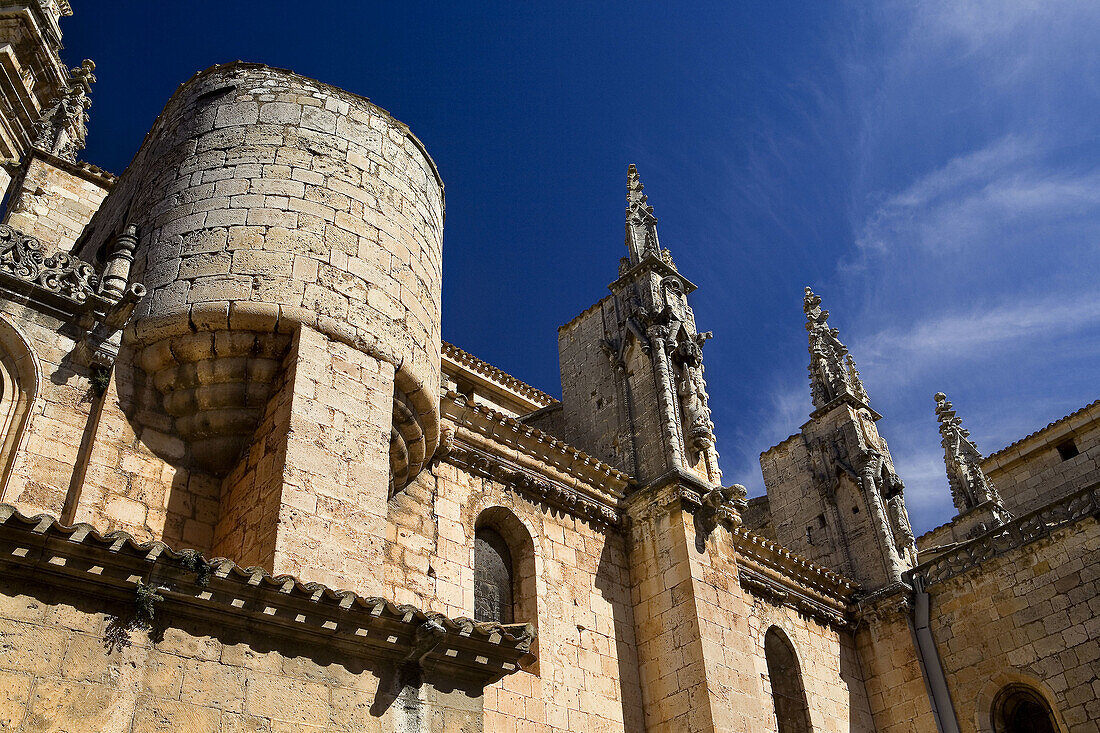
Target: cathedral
245,486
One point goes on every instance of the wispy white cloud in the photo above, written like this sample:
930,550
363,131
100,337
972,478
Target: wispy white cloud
959,337
981,199
788,406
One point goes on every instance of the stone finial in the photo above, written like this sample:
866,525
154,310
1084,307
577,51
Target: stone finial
641,224
832,369
116,273
970,487
63,127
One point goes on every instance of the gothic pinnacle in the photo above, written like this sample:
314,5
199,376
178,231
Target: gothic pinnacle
970,487
832,369
811,306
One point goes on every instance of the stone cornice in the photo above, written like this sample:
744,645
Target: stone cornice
533,485
772,589
80,169
463,360
511,434
111,566
651,263
796,572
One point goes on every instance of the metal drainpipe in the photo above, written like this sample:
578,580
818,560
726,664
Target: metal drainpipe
929,659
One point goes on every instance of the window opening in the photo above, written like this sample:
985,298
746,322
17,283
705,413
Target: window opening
792,714
493,578
1067,449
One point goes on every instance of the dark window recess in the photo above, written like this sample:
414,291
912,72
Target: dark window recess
466,389
855,510
1067,449
492,578
817,532
792,714
1019,709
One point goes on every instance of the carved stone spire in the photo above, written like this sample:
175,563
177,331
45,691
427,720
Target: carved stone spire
833,372
970,487
641,224
63,127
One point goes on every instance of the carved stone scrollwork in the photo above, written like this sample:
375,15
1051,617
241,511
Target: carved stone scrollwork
21,256
74,284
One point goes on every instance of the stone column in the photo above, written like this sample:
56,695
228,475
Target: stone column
665,392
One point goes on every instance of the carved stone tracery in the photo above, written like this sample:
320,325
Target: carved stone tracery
21,256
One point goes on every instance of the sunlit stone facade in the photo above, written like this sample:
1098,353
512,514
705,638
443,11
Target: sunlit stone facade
244,485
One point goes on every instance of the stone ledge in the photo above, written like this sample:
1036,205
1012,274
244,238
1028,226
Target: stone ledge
495,376
520,437
1033,526
81,169
111,566
802,575
533,486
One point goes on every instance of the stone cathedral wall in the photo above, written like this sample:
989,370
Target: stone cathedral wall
586,674
1033,472
54,200
1030,616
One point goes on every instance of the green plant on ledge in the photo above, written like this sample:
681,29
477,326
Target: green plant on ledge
146,599
193,561
100,379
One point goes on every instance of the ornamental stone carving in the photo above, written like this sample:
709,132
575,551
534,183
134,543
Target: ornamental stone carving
833,372
970,487
63,127
691,388
21,257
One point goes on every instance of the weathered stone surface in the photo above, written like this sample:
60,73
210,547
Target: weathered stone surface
279,398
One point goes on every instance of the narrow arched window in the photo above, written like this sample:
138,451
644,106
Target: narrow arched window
18,387
493,578
1020,709
792,714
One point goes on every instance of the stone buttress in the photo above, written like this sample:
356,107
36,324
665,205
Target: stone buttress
633,393
833,493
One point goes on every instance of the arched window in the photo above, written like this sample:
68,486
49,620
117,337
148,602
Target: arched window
493,578
504,569
792,714
18,387
1020,709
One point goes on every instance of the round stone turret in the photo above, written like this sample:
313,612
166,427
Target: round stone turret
266,201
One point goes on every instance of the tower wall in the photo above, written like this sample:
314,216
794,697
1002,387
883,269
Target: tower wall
53,199
265,201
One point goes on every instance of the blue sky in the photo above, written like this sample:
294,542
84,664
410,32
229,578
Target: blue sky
931,168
